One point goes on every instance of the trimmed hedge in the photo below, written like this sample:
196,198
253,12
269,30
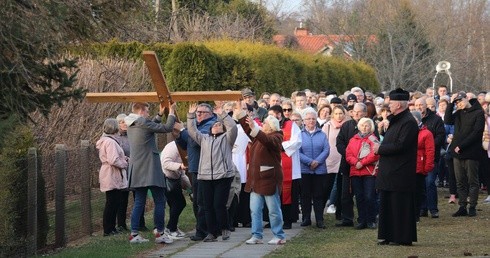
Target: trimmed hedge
13,192
220,65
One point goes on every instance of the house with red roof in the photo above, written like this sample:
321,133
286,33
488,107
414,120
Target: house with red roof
318,44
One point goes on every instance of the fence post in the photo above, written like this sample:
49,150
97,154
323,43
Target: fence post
32,173
86,191
60,168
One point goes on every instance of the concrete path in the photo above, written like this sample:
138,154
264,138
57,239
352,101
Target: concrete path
234,247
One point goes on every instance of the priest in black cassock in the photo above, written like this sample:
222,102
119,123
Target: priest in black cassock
396,178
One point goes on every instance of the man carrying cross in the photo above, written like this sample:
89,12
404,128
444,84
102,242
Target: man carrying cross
145,170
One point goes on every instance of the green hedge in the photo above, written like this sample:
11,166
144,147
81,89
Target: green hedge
219,65
13,191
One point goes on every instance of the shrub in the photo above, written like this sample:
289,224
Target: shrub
13,192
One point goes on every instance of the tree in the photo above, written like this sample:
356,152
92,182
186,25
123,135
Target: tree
31,75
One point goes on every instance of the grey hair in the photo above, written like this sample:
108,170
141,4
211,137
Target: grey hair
206,105
120,117
311,112
273,123
361,105
111,126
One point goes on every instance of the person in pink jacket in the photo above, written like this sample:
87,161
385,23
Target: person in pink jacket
425,162
112,174
363,162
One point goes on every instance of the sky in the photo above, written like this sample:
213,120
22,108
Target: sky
287,6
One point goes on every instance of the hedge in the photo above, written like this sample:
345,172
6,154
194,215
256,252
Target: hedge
220,65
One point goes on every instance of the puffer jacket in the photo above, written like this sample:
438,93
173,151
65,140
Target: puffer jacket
216,150
368,162
314,146
425,151
112,174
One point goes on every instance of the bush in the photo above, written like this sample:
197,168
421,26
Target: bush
13,192
226,64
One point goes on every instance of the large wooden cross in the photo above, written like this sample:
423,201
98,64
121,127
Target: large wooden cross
162,94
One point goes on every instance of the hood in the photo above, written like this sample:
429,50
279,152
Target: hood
103,139
129,120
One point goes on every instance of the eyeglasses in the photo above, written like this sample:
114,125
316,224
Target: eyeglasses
295,120
201,112
309,119
287,109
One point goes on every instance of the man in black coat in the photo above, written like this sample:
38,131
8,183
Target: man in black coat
466,148
436,126
396,177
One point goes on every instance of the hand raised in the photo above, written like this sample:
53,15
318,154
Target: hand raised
193,108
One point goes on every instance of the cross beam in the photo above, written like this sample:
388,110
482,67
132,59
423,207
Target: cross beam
162,94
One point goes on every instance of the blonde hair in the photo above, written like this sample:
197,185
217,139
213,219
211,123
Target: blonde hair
366,120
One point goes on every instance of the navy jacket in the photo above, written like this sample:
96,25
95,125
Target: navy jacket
193,149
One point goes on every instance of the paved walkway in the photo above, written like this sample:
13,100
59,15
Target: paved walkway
234,247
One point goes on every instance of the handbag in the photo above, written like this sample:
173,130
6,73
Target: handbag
173,184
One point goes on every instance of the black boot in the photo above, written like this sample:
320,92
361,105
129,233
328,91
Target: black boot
461,212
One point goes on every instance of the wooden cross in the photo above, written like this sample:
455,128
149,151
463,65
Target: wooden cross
162,94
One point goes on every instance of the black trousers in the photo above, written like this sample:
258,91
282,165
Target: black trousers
176,202
313,190
346,197
201,229
243,210
112,201
215,195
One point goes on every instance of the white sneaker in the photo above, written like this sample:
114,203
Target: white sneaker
253,241
487,200
137,239
176,235
277,241
162,238
331,209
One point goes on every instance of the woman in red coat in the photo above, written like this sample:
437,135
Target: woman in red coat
362,160
425,161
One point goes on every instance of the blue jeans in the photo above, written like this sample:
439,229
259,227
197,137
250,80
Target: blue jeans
430,203
365,193
139,207
273,203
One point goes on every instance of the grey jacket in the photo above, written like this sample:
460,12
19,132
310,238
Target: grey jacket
145,168
215,158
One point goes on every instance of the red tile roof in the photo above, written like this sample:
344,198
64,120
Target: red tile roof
314,43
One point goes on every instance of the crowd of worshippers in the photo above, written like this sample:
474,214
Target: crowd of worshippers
273,161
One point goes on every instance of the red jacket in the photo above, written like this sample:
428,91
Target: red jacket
425,151
352,156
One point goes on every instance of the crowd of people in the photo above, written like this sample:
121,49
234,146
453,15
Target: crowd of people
260,163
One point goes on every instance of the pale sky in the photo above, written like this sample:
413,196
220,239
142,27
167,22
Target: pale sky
287,6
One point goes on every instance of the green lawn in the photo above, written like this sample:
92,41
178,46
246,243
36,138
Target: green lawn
113,246
446,236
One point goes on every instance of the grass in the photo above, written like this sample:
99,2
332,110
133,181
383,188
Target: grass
446,236
113,246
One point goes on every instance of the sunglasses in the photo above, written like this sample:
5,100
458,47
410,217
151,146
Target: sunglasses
287,109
